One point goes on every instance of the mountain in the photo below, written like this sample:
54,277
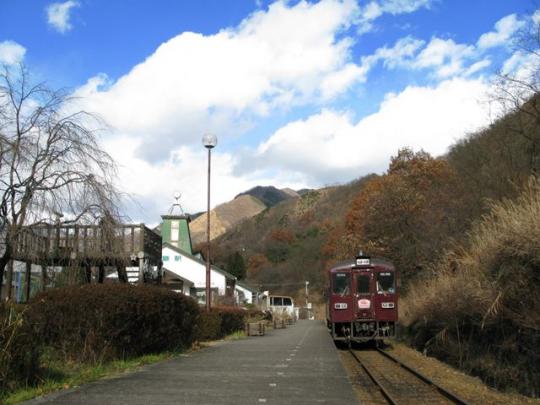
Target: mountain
283,244
225,216
270,195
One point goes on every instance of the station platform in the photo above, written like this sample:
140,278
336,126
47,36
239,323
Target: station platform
296,365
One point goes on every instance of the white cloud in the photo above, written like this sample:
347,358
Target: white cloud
445,55
536,17
11,52
275,59
404,6
504,30
330,146
58,15
401,54
152,184
374,9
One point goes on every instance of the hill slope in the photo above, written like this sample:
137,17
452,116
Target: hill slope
224,216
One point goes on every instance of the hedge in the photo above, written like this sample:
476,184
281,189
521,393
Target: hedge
220,322
102,322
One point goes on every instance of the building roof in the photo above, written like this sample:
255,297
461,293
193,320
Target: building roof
196,259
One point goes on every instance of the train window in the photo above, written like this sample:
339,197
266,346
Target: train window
385,282
362,283
341,283
287,301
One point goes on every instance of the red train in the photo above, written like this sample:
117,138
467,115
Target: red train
362,300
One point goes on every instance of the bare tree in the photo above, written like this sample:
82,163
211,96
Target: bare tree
517,91
51,164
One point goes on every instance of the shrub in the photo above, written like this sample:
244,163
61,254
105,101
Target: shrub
220,322
18,350
208,326
102,322
232,319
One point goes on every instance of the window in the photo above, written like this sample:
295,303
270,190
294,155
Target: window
341,283
175,230
287,301
276,301
176,258
385,282
362,283
165,258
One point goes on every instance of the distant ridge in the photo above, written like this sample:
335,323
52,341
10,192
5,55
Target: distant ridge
270,195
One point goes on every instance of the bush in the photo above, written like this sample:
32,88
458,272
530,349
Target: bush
18,351
209,326
481,311
220,322
103,322
232,319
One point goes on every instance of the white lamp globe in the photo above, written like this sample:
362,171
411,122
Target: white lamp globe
209,141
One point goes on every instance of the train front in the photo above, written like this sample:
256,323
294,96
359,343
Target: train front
362,300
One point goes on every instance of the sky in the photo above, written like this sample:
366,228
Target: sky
300,94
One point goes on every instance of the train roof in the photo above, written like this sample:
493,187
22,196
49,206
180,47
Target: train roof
375,262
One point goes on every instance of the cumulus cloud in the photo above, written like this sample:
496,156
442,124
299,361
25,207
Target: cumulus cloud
152,184
330,146
505,28
58,15
275,59
11,52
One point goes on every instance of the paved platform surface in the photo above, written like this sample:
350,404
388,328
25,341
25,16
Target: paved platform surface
297,365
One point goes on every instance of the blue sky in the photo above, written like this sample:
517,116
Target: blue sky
300,94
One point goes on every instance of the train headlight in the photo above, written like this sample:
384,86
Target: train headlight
340,305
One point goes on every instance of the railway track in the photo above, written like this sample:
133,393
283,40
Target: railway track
399,383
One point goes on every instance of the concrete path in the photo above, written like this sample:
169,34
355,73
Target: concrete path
297,365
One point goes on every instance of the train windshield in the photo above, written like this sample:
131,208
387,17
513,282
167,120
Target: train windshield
341,283
385,282
362,283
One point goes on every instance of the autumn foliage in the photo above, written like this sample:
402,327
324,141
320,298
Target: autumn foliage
405,215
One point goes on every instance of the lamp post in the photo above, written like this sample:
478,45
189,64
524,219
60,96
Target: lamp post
209,141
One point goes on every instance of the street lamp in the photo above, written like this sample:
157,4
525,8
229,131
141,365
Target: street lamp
209,141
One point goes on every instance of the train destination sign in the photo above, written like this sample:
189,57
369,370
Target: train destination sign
363,261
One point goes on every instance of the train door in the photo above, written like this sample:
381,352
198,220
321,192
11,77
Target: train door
341,298
364,284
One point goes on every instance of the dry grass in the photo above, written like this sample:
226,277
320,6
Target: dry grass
481,309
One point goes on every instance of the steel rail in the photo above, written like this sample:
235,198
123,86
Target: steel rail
391,400
452,397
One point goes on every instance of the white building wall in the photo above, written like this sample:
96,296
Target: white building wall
192,270
248,295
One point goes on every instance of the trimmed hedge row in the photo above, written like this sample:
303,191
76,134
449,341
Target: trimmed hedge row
220,322
103,322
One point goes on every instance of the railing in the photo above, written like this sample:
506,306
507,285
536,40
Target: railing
87,242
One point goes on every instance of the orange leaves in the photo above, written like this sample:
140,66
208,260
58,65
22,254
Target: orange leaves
402,213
